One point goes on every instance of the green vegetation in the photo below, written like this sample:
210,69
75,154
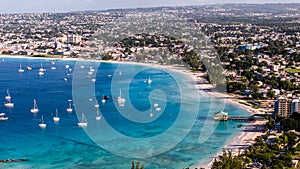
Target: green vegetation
290,70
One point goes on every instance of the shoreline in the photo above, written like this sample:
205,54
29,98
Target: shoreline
241,140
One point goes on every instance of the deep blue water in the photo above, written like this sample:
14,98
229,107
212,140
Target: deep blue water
131,132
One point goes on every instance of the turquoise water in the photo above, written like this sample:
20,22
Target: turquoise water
65,145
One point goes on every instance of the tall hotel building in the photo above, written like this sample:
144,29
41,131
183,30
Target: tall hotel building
286,106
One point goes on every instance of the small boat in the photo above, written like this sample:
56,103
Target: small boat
20,69
121,100
90,73
69,109
3,118
158,109
120,73
53,68
56,118
67,66
151,114
43,124
7,97
155,105
92,70
35,108
3,60
98,117
52,62
41,73
9,104
65,79
42,68
2,114
93,80
109,75
83,122
28,68
103,99
106,97
149,81
97,104
82,67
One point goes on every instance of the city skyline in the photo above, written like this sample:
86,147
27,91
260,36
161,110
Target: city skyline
34,6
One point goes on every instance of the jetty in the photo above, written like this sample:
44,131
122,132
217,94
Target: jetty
223,116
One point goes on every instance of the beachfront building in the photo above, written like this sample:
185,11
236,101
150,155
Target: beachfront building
295,105
285,106
221,116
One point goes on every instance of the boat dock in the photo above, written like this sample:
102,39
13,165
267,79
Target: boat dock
238,118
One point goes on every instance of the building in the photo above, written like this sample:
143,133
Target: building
295,105
74,38
285,106
222,116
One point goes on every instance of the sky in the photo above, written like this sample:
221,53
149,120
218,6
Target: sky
33,6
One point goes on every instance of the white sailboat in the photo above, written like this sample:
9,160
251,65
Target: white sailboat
2,114
42,69
97,104
56,118
149,81
20,69
43,124
9,104
98,117
151,114
121,100
83,122
69,109
7,97
35,108
41,73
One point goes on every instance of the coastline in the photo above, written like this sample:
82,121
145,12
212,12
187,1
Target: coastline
240,141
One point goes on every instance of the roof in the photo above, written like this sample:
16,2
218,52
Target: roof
221,113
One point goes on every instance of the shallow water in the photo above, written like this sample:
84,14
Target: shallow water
65,145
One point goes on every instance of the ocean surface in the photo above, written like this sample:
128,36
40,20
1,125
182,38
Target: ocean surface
160,123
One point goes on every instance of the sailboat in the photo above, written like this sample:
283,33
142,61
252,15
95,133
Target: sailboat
83,122
69,109
56,118
42,68
151,114
149,81
35,108
21,70
9,104
3,60
8,97
121,100
98,117
42,125
97,104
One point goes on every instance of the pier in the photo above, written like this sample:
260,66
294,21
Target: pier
237,118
